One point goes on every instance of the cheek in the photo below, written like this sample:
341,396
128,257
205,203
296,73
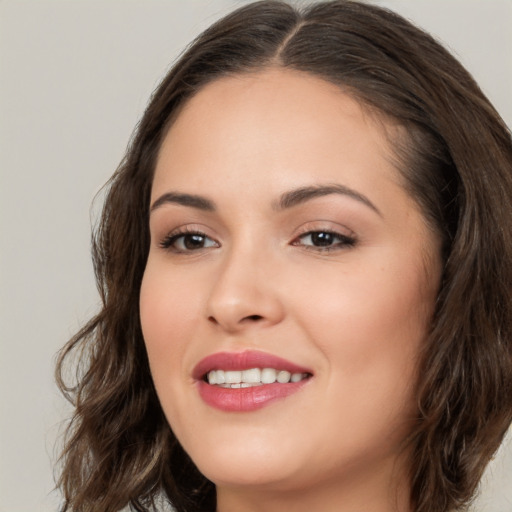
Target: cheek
168,312
369,322
379,297
168,301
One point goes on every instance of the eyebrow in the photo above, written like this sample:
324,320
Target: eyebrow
303,194
286,200
191,200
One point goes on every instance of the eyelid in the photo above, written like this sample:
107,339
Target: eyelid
342,242
166,242
346,237
323,226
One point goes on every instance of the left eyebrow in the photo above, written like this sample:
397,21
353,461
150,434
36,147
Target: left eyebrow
303,194
190,200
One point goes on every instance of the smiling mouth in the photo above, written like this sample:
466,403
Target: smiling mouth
247,381
236,379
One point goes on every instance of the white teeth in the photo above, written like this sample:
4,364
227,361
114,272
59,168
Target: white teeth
252,377
268,375
233,377
296,377
283,377
217,377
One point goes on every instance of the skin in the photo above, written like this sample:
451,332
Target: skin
355,314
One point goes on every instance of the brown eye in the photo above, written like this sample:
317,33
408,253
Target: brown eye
321,239
187,242
325,240
191,242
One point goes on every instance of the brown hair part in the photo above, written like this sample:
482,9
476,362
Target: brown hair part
456,160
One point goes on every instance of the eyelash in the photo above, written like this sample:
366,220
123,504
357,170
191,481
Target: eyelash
169,242
344,241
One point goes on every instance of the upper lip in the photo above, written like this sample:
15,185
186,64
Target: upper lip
244,361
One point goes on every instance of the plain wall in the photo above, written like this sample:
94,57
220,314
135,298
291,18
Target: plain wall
75,76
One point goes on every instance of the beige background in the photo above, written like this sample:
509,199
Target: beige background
74,78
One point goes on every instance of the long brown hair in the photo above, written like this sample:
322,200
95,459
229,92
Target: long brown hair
456,159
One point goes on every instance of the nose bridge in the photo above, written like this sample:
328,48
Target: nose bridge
243,293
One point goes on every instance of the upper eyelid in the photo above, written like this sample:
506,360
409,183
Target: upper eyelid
183,229
329,231
347,237
324,226
189,231
168,241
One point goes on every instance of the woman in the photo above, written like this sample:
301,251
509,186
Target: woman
305,266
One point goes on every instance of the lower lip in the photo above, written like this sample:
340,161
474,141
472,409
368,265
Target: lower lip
246,399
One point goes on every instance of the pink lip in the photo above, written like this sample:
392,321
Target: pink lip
245,399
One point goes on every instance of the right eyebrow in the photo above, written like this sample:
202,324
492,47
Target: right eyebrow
304,194
191,200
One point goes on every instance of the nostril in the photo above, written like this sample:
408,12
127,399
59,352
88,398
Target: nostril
253,317
249,318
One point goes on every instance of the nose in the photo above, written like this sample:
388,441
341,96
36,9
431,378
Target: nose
245,294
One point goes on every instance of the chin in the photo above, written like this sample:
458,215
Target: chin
256,475
245,475
247,460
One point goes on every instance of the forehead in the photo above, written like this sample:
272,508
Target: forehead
280,118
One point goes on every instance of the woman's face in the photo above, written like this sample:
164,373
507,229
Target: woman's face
283,240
